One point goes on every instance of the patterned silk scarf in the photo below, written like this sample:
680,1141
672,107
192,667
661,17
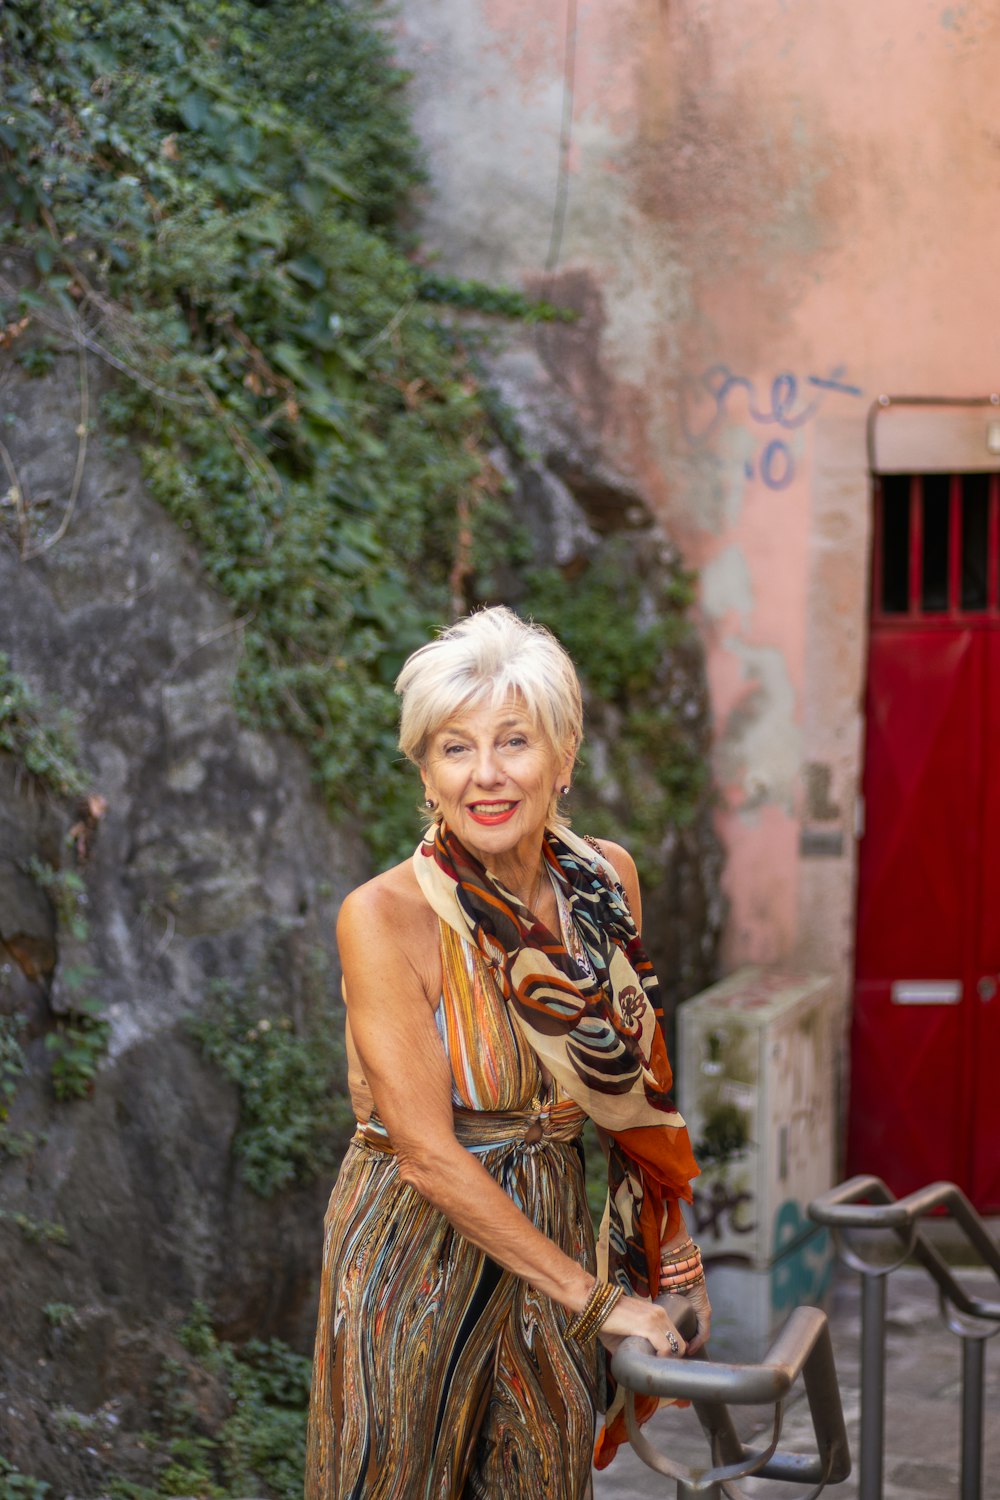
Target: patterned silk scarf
599,1035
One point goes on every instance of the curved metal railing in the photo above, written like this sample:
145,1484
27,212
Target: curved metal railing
865,1203
803,1347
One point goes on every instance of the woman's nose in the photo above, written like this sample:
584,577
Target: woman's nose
488,769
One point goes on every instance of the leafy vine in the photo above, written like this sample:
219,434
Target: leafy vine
206,198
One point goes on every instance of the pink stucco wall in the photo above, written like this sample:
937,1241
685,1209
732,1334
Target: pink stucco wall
777,209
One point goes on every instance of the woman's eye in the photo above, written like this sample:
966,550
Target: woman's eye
516,741
453,749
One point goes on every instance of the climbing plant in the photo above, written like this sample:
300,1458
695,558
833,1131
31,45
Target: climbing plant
625,628
38,736
207,199
294,1118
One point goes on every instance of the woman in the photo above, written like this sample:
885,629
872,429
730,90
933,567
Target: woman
497,994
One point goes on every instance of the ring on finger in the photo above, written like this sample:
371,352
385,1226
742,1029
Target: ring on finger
675,1347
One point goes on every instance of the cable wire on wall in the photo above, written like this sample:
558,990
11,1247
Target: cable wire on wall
565,140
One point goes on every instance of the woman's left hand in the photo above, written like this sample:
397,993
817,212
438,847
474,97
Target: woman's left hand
698,1298
638,1317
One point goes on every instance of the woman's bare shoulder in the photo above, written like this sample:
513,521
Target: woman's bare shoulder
389,915
385,896
618,857
623,865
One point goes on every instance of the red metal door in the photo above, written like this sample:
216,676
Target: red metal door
985,1146
925,1099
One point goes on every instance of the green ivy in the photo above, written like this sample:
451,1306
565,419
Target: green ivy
78,1044
67,891
59,1314
17,1144
214,189
39,737
656,775
258,1448
17,1486
213,184
480,296
81,1035
293,1116
12,1062
36,1231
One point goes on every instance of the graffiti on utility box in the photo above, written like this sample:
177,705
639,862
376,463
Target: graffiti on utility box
803,1260
722,1210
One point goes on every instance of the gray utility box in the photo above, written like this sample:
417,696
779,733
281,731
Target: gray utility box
757,1071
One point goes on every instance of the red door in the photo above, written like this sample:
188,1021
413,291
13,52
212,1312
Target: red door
925,1051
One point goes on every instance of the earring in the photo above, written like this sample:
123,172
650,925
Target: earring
564,790
429,804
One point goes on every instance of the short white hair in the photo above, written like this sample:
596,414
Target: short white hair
489,656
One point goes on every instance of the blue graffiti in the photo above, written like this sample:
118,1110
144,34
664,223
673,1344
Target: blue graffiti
802,1264
777,467
791,402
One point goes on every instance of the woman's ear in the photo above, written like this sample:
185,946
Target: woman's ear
564,777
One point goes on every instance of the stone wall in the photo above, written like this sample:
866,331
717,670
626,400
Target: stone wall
214,861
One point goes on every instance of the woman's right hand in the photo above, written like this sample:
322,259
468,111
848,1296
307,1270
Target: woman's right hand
636,1316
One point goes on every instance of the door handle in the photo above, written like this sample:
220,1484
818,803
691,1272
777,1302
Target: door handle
987,988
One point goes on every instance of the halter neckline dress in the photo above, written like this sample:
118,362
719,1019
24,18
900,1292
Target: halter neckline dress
437,1374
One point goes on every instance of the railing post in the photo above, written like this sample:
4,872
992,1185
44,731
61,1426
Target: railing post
694,1491
865,1202
873,1296
973,1352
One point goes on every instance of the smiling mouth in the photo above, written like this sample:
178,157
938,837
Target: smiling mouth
491,812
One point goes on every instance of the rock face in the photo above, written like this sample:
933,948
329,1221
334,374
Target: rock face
213,862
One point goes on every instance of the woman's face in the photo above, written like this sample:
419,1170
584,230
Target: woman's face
493,775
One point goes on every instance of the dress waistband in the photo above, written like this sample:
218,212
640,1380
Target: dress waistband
560,1122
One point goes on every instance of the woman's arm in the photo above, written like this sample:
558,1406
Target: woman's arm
392,1023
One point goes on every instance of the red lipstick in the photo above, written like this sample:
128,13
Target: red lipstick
480,814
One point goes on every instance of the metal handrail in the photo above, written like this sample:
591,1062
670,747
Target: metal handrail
803,1347
842,1209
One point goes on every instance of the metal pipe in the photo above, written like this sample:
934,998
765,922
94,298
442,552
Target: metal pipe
803,1347
873,1287
841,1209
973,1352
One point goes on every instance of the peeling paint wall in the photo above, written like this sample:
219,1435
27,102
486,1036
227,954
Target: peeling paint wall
770,211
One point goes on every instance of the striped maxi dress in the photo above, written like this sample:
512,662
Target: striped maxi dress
438,1375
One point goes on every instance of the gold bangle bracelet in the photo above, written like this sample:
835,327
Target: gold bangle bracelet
596,1310
583,1328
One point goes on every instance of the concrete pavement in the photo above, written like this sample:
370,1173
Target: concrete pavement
923,1405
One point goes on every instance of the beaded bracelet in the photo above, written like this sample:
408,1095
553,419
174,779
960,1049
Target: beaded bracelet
681,1288
681,1269
679,1252
595,1313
